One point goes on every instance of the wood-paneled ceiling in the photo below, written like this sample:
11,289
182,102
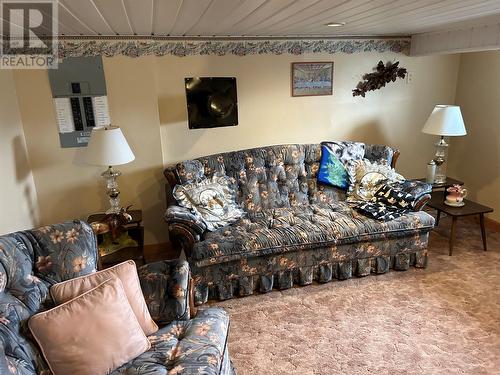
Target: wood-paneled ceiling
266,18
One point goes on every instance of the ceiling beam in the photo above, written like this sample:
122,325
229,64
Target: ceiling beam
468,39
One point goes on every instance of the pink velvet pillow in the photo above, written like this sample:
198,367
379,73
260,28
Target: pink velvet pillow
92,334
127,273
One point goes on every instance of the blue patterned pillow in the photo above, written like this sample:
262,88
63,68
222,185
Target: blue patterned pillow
331,170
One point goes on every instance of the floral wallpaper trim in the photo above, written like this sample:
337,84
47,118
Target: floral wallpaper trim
136,48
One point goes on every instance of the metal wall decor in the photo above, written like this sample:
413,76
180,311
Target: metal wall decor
383,75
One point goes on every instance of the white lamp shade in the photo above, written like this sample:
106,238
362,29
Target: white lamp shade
107,147
445,120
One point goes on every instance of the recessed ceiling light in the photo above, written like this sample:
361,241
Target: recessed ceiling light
335,24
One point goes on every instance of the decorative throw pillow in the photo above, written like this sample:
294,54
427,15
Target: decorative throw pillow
346,151
380,211
331,170
415,188
394,197
213,200
127,273
365,178
92,334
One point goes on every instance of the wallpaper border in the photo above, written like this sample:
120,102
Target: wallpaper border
75,47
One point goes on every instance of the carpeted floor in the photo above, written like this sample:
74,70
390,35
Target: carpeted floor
441,320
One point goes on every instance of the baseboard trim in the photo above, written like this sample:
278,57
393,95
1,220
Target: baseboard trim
160,251
492,224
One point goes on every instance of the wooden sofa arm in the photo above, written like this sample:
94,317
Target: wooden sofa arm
395,157
183,237
193,310
421,202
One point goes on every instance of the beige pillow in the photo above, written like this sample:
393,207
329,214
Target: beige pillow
92,334
127,273
365,178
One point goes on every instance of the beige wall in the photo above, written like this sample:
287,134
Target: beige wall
269,115
18,203
67,188
147,100
475,158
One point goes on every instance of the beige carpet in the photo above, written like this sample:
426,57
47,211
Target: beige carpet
442,320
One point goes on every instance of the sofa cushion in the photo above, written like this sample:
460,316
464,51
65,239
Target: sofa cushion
346,151
93,333
366,178
127,273
195,346
64,251
212,199
331,170
287,229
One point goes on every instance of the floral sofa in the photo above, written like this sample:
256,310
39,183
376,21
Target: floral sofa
296,230
33,260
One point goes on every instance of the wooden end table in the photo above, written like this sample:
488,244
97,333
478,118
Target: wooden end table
470,208
135,229
445,185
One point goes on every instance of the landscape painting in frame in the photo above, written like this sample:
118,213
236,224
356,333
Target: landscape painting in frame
312,78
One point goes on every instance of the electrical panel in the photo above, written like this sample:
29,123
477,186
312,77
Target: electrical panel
80,101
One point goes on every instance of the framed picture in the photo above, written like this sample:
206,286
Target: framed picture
312,78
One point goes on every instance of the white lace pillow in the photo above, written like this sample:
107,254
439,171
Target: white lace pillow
211,199
365,178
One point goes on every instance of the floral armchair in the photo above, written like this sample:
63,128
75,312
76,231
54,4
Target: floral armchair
32,261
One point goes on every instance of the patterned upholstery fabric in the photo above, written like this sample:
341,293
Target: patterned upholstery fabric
32,261
379,153
296,229
190,170
274,176
178,214
284,230
164,285
269,177
323,263
196,346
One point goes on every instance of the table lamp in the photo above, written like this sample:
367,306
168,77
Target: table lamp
445,121
108,147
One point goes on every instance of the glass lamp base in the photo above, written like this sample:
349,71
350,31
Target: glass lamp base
440,160
440,179
115,206
110,175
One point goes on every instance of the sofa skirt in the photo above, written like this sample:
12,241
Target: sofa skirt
246,276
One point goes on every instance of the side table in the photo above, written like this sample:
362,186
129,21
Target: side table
448,183
470,208
135,230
